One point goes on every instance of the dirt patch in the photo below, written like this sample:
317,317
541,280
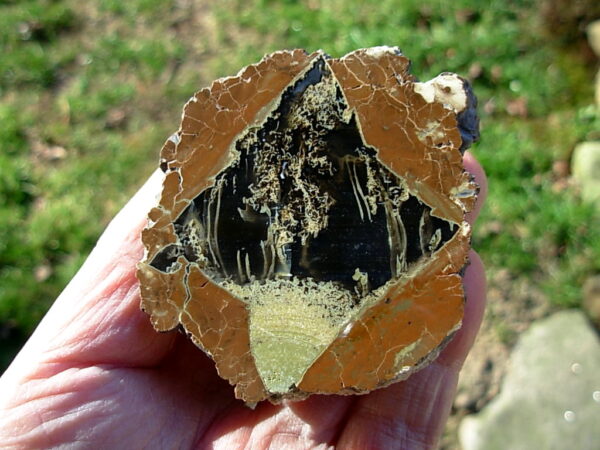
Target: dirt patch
513,303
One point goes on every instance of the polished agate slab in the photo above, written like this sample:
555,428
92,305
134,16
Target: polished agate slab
311,231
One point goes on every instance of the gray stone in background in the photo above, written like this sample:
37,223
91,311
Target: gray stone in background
585,167
550,397
591,299
593,33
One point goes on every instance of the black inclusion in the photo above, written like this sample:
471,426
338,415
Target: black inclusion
448,230
233,233
165,258
411,213
349,242
236,233
294,94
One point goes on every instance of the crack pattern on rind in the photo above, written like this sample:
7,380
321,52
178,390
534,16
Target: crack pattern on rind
306,198
404,319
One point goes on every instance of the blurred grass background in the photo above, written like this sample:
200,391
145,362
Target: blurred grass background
90,90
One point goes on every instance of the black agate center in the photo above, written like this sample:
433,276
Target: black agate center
306,198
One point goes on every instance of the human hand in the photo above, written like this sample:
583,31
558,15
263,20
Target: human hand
95,373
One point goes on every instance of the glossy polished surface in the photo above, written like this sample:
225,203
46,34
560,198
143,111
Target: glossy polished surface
310,234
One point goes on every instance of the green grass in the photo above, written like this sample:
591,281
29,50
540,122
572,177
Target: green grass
104,82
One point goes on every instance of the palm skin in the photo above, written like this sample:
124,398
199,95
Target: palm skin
95,374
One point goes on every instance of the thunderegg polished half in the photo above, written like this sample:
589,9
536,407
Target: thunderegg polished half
311,233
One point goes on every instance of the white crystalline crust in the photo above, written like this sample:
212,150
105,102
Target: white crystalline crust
447,88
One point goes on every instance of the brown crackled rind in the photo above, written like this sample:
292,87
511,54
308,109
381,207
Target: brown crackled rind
414,129
365,357
212,120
